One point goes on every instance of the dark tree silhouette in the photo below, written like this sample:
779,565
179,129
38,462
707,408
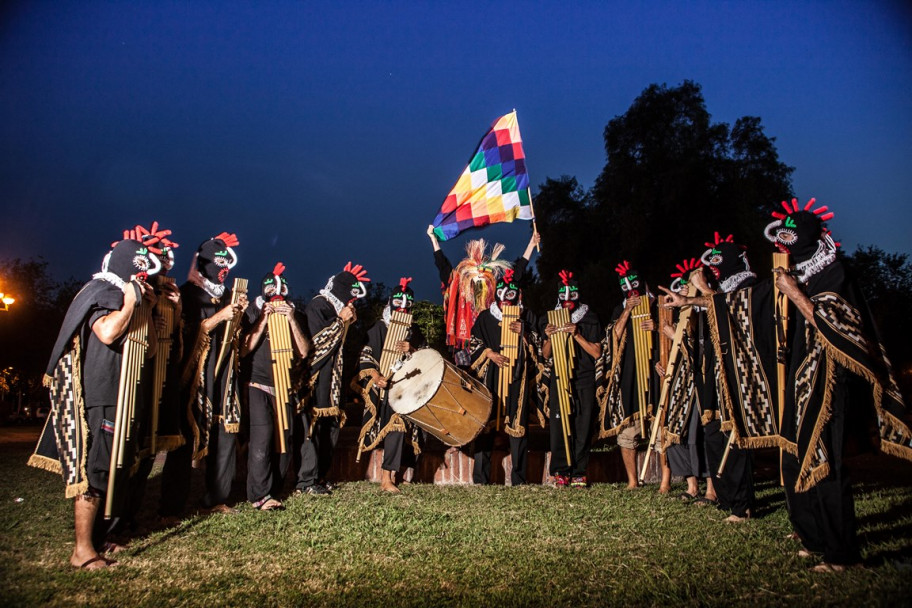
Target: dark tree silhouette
671,178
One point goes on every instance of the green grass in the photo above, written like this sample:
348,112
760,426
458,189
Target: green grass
455,546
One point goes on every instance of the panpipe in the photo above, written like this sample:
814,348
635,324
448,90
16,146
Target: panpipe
239,289
128,391
281,351
165,331
671,364
509,347
563,353
399,328
642,345
781,311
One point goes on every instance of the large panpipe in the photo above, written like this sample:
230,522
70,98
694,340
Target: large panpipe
509,347
231,327
128,392
165,330
642,344
281,351
563,353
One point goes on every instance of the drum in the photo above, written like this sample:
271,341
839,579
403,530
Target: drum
440,398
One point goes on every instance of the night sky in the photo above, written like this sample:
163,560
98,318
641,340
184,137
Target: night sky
322,133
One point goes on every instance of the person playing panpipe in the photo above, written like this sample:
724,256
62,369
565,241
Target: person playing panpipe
469,288
266,362
159,429
329,315
212,412
504,354
572,433
84,375
632,386
392,338
682,436
837,370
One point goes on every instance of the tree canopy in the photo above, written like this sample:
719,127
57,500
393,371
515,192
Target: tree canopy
672,177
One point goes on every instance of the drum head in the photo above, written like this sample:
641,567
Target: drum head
416,381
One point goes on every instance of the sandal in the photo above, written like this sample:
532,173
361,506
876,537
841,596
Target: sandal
268,503
706,502
94,560
687,497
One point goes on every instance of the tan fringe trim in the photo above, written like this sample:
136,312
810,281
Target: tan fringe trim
234,427
723,391
195,366
77,489
708,416
368,406
47,381
83,486
894,449
168,443
812,478
625,423
45,464
808,476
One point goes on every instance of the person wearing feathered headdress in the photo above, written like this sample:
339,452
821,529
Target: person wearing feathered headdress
212,411
683,438
265,467
487,358
470,288
586,331
619,408
380,425
83,376
328,316
833,349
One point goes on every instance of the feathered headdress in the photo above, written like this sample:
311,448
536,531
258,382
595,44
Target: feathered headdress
478,273
681,277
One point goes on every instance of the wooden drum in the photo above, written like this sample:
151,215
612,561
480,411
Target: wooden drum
440,398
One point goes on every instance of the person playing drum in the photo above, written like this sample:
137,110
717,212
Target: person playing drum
380,424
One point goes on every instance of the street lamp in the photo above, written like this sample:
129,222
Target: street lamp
5,301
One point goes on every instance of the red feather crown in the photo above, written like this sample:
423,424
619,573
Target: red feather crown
687,266
357,270
822,212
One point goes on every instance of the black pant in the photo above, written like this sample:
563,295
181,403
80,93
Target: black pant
316,451
266,467
824,516
220,467
735,486
392,450
583,409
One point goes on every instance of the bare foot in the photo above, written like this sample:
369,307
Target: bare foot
664,489
736,519
112,547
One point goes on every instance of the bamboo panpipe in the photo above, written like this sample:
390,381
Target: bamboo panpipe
674,355
282,354
166,310
509,347
563,354
239,289
399,328
131,365
642,344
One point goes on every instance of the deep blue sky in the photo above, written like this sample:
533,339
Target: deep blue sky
323,132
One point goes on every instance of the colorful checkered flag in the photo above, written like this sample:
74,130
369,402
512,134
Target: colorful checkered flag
494,186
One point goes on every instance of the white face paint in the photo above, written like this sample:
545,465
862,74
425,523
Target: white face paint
358,290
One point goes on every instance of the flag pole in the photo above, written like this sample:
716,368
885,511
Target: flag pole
532,210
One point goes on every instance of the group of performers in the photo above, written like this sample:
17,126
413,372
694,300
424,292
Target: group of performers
143,366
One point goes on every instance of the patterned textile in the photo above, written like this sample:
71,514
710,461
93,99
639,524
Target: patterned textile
494,187
613,417
62,447
682,395
327,344
741,323
844,338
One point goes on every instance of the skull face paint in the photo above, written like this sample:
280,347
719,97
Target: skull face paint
507,291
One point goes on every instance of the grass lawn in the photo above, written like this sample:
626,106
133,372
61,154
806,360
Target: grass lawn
457,546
